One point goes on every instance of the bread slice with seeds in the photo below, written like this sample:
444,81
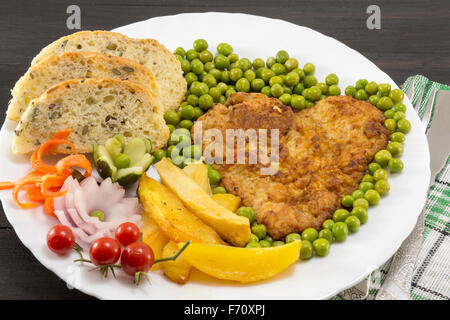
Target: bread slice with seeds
94,109
148,52
75,65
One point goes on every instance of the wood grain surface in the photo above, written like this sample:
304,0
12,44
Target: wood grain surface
413,39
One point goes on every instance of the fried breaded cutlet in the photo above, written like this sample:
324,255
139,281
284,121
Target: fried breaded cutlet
324,152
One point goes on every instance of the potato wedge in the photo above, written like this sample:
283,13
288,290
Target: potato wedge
172,217
231,227
178,270
199,173
241,264
153,236
227,200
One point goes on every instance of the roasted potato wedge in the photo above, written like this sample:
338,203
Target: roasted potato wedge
153,236
172,217
178,270
227,200
241,264
199,173
231,227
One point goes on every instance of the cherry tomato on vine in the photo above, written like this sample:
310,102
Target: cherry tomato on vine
137,257
127,233
60,239
104,251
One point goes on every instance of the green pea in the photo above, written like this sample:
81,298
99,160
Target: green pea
373,166
352,223
334,90
321,247
331,79
171,128
206,56
233,57
309,68
268,238
309,104
310,234
243,85
371,88
298,89
98,214
191,54
224,49
400,107
389,114
385,103
267,91
285,98
279,243
306,250
185,66
361,202
361,84
187,112
395,165
277,90
258,63
260,230
374,99
326,234
199,88
225,76
187,124
340,215
396,95
328,224
300,73
209,66
398,137
253,238
323,87
293,237
267,74
247,212
395,148
122,161
200,45
357,194
350,91
364,186
291,64
210,80
309,81
275,80
171,117
314,93
205,101
270,62
347,201
404,126
361,213
384,89
278,68
215,94
380,174
292,78
367,178
253,245
159,154
361,94
340,231
372,196
250,75
192,100
236,74
197,66
282,56
214,176
190,78
399,115
221,62
180,51
265,244
382,157
382,187
390,124
297,102
257,84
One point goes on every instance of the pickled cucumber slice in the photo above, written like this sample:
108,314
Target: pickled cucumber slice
145,162
128,176
148,145
135,149
104,162
113,146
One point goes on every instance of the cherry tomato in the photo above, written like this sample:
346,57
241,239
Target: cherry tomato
60,239
104,251
127,233
137,257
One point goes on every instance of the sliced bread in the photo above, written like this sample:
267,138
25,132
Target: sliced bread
94,109
75,65
148,52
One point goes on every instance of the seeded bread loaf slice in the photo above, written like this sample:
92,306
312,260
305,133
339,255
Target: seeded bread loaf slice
75,65
94,109
148,52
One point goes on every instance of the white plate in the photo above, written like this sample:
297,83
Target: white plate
347,263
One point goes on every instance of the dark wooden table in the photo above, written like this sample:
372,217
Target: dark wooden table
413,39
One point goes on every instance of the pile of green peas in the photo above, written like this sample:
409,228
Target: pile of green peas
213,78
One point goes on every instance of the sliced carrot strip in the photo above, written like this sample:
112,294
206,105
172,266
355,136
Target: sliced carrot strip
34,194
48,206
52,181
19,185
36,160
6,185
76,160
63,134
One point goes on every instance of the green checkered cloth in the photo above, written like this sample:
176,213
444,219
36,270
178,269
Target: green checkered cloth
431,275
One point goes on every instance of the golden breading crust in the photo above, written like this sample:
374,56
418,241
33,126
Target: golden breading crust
324,152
